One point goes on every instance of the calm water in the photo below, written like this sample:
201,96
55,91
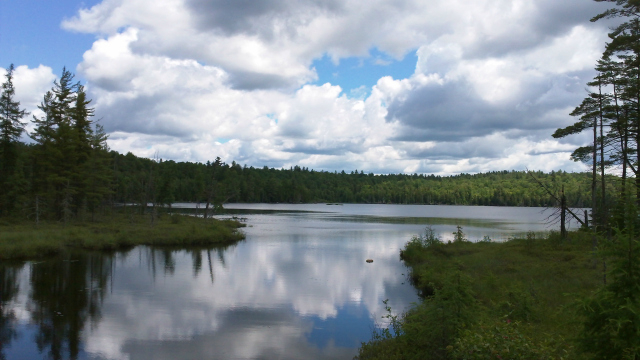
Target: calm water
297,288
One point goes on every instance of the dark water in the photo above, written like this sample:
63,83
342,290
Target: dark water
297,288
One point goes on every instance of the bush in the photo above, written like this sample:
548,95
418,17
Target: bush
458,235
418,243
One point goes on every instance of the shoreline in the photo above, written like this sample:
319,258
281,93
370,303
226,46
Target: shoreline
525,289
25,241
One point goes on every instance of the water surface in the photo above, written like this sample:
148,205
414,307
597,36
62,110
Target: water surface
297,287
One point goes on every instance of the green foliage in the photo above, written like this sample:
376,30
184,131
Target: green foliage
522,280
23,241
418,243
70,167
612,315
611,327
425,331
519,306
11,127
501,340
458,235
195,182
388,333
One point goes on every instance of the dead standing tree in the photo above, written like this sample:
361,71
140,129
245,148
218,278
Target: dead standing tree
211,186
562,209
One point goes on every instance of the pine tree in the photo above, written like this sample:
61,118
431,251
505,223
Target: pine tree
83,146
43,136
62,139
11,128
97,167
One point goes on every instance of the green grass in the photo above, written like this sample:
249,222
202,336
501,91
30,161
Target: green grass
26,241
525,289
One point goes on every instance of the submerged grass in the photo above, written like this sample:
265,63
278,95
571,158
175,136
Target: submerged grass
526,294
21,240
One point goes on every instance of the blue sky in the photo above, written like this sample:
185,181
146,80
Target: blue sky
30,33
388,86
364,71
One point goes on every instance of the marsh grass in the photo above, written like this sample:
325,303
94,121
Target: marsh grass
119,231
531,284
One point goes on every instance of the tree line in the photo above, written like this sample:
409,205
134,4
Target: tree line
67,171
191,182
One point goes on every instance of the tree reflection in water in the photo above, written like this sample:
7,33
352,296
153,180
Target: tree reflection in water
165,258
66,294
9,288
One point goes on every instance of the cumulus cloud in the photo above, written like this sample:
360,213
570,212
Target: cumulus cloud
195,79
31,84
453,98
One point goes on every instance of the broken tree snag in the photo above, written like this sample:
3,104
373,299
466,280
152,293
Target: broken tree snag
555,197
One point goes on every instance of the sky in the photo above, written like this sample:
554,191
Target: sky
405,86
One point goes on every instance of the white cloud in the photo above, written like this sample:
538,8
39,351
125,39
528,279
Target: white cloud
31,84
247,307
196,79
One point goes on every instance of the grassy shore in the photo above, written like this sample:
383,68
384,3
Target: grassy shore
21,240
514,300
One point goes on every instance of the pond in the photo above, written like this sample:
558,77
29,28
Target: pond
297,287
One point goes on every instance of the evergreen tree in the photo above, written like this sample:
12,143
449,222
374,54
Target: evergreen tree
11,128
43,136
84,144
71,162
97,169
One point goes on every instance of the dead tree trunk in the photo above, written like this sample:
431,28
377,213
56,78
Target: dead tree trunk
563,215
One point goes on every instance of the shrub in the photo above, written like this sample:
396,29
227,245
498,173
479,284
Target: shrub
418,243
458,235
